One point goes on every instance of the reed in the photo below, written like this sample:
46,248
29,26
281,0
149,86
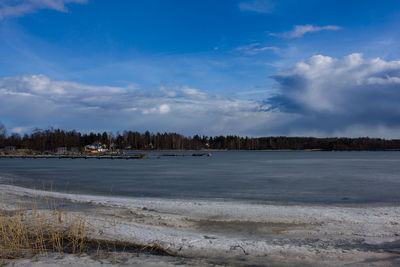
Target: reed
38,227
28,231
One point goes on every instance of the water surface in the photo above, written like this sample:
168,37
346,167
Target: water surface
278,176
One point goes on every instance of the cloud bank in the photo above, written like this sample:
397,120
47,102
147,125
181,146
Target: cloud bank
18,8
341,96
321,96
300,30
37,100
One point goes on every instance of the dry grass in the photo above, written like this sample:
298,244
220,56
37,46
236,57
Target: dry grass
27,231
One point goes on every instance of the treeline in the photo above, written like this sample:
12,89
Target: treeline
52,139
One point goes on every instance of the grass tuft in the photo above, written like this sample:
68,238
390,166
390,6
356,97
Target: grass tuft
27,231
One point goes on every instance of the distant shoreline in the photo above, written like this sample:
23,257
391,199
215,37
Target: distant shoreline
36,153
60,141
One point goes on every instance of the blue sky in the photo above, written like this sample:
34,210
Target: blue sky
247,67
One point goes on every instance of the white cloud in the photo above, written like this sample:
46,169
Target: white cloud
167,92
259,6
162,109
37,100
193,93
256,48
300,30
19,130
43,85
12,8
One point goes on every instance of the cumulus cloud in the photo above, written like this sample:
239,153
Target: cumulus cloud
193,93
259,6
37,100
256,48
341,95
300,30
162,109
18,8
321,96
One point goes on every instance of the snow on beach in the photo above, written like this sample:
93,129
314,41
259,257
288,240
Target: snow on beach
241,233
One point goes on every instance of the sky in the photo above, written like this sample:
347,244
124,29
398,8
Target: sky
238,67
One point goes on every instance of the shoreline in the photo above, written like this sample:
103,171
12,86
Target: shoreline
78,197
229,231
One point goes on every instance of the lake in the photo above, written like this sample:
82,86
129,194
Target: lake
256,176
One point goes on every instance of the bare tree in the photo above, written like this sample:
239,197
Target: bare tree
3,134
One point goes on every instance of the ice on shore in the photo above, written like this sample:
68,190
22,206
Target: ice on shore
235,232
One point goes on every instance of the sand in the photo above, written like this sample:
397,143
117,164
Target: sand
200,233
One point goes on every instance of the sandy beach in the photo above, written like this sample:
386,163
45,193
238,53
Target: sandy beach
227,232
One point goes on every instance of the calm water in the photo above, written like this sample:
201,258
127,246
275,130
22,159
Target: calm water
316,177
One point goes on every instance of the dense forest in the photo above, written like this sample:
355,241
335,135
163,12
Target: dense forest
51,139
